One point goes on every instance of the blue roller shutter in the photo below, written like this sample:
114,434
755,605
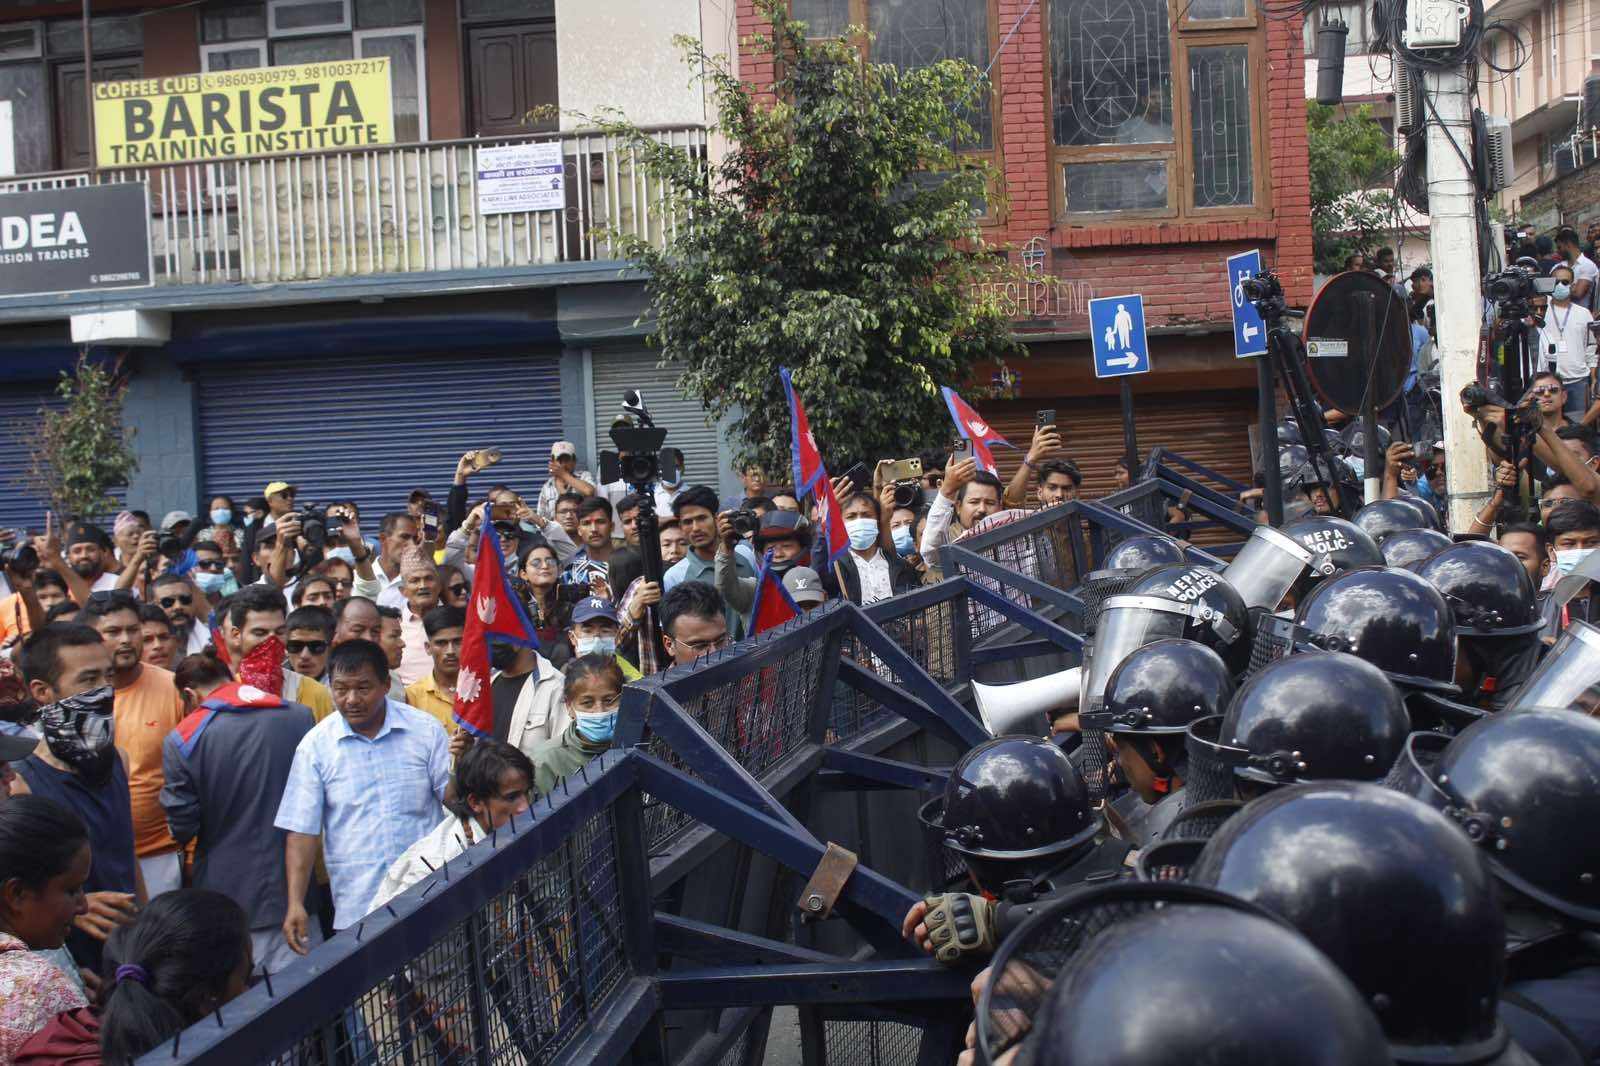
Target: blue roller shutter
19,419
372,430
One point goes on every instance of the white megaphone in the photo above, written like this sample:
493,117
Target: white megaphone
1024,707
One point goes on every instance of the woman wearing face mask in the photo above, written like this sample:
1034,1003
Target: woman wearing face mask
187,955
44,861
593,692
903,531
221,514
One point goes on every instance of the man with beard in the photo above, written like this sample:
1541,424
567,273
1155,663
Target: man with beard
87,553
69,672
147,708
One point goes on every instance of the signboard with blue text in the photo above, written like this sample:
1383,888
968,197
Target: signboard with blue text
1249,333
1116,326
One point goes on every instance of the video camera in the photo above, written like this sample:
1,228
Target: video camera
640,460
1265,291
18,556
313,524
1512,289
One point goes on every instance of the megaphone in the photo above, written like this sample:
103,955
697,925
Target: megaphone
1024,707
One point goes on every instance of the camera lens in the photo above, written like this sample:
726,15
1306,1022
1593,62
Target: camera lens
21,559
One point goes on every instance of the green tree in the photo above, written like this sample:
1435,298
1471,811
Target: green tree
838,237
1352,176
77,453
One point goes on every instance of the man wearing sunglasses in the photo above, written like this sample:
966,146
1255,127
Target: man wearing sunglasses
310,634
186,609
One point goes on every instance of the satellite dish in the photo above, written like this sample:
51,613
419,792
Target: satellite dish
1357,326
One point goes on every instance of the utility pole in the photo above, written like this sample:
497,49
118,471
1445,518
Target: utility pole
1453,243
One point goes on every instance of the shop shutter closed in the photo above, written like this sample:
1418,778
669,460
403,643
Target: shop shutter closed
1211,428
19,421
371,431
684,419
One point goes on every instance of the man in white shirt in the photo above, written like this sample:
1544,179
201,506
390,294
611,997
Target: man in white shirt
87,548
1566,345
1584,272
967,495
564,477
397,534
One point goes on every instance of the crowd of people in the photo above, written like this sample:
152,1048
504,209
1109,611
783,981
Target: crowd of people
228,739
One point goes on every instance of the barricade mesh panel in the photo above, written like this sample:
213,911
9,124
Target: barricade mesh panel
868,1043
739,1053
1043,554
533,967
926,635
1099,587
757,718
1274,639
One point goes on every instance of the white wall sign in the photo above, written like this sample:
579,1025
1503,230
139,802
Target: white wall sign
521,177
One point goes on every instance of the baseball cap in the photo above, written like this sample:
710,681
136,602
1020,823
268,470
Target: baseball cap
591,608
804,586
84,533
279,486
563,448
172,518
14,747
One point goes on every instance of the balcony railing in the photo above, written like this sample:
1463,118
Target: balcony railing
390,210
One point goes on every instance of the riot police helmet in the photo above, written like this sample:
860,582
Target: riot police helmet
1488,589
1392,618
1014,808
1410,548
1429,511
1288,432
1268,565
1316,716
1393,893
1162,687
1122,565
1340,542
1525,788
1383,517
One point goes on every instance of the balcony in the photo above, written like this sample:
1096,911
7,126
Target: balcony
391,210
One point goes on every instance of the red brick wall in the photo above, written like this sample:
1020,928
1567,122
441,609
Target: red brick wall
1179,267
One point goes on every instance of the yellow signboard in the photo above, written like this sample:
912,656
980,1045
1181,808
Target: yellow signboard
232,114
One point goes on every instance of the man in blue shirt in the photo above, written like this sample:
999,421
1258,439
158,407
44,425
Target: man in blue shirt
370,781
696,512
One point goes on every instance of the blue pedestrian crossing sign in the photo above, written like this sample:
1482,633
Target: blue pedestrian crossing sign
1116,325
1249,333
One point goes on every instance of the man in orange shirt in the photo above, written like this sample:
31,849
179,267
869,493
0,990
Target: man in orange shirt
147,708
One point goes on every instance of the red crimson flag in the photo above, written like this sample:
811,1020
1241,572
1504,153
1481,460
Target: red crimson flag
773,606
972,427
493,613
811,476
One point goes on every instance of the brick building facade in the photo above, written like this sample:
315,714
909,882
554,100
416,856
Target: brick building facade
1172,249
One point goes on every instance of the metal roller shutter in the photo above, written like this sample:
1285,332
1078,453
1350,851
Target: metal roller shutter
684,419
371,431
19,416
1212,428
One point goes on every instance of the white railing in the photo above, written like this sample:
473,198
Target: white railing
387,210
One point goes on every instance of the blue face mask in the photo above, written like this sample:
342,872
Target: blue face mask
342,553
902,541
221,516
597,728
250,519
863,533
209,583
1562,291
527,527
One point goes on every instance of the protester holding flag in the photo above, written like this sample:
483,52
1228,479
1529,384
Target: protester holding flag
975,430
493,613
811,476
773,605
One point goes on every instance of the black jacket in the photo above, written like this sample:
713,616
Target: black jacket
902,578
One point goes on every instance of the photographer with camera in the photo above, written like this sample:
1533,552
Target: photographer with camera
564,477
786,535
1531,426
695,510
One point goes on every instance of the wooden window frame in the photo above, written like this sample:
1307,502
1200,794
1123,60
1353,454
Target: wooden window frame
1183,34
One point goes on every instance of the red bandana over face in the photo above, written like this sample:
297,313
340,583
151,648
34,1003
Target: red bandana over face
263,667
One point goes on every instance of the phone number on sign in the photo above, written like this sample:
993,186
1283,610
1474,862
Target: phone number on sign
277,75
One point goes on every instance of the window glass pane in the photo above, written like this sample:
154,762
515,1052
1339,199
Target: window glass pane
23,85
402,52
1219,91
233,23
307,16
373,13
64,37
823,18
1111,72
1202,10
241,58
311,50
19,42
506,10
1123,185
917,33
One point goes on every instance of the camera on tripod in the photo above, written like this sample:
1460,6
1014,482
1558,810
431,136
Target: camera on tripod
640,460
1512,289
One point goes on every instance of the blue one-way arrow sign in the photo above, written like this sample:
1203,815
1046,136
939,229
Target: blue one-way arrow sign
1116,325
1249,333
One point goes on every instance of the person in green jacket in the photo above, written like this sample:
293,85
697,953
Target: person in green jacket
593,690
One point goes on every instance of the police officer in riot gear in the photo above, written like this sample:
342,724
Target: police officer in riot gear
1313,716
1124,564
1524,787
1019,816
1394,894
1272,562
1383,517
1339,541
1409,548
1497,619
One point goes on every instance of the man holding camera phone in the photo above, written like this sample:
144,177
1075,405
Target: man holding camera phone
1058,480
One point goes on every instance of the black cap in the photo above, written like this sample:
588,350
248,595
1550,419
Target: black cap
14,747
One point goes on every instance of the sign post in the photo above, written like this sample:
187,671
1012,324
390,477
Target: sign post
1250,341
1121,349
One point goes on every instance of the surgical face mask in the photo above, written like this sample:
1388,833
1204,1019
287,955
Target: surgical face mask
597,728
251,519
863,533
601,645
221,516
78,730
902,541
1562,291
342,553
1567,559
527,527
209,583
